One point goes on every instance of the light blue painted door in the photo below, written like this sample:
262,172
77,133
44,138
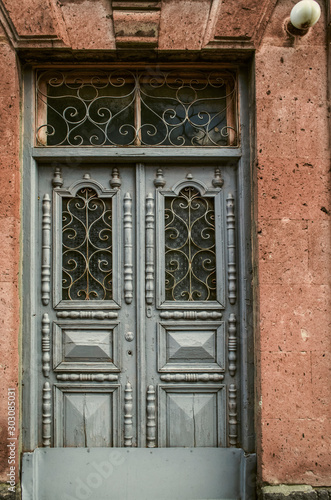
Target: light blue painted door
138,311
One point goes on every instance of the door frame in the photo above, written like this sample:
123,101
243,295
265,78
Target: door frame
241,158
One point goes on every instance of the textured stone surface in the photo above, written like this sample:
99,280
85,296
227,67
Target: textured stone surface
294,492
9,243
293,176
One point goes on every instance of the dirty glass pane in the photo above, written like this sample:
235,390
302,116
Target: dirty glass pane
136,108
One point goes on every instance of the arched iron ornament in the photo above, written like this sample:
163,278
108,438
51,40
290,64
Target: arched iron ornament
190,247
84,215
124,107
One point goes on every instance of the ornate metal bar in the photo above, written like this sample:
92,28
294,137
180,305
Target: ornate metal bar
150,229
128,262
46,251
233,423
87,260
45,345
128,406
192,377
232,344
151,417
122,107
190,246
46,415
232,268
87,315
95,377
191,315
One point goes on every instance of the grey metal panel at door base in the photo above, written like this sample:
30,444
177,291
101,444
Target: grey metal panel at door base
125,474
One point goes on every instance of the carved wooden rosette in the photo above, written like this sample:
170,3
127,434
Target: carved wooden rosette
87,315
87,377
151,417
45,345
190,315
192,377
46,251
128,406
150,228
232,344
233,423
46,415
128,259
232,266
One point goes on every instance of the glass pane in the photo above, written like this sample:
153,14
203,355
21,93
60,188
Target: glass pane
190,260
136,108
86,247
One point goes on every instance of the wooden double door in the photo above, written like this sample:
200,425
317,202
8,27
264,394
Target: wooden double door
138,314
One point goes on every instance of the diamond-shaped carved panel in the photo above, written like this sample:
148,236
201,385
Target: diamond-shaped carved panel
192,347
192,416
86,344
85,347
188,347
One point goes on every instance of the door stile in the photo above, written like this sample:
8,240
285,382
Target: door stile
246,244
140,391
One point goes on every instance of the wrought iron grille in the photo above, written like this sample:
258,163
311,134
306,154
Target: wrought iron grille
136,108
86,247
190,260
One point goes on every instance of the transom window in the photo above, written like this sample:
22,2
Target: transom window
122,107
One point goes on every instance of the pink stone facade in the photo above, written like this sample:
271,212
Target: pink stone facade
291,175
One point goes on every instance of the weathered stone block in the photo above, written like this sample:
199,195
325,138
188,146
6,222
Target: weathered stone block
294,317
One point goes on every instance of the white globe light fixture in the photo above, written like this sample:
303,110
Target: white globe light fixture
303,16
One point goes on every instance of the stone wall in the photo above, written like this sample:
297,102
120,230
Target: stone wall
293,171
9,240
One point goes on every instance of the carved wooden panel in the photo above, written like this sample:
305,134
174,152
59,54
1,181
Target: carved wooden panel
85,347
191,416
189,245
191,348
86,416
86,215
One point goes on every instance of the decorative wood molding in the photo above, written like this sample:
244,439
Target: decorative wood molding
90,377
233,423
151,417
217,180
159,181
45,345
232,266
128,406
232,344
87,315
128,260
46,415
191,315
192,377
115,182
46,251
57,179
150,230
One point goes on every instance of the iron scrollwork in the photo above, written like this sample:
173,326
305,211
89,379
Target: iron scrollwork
86,247
136,108
190,259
